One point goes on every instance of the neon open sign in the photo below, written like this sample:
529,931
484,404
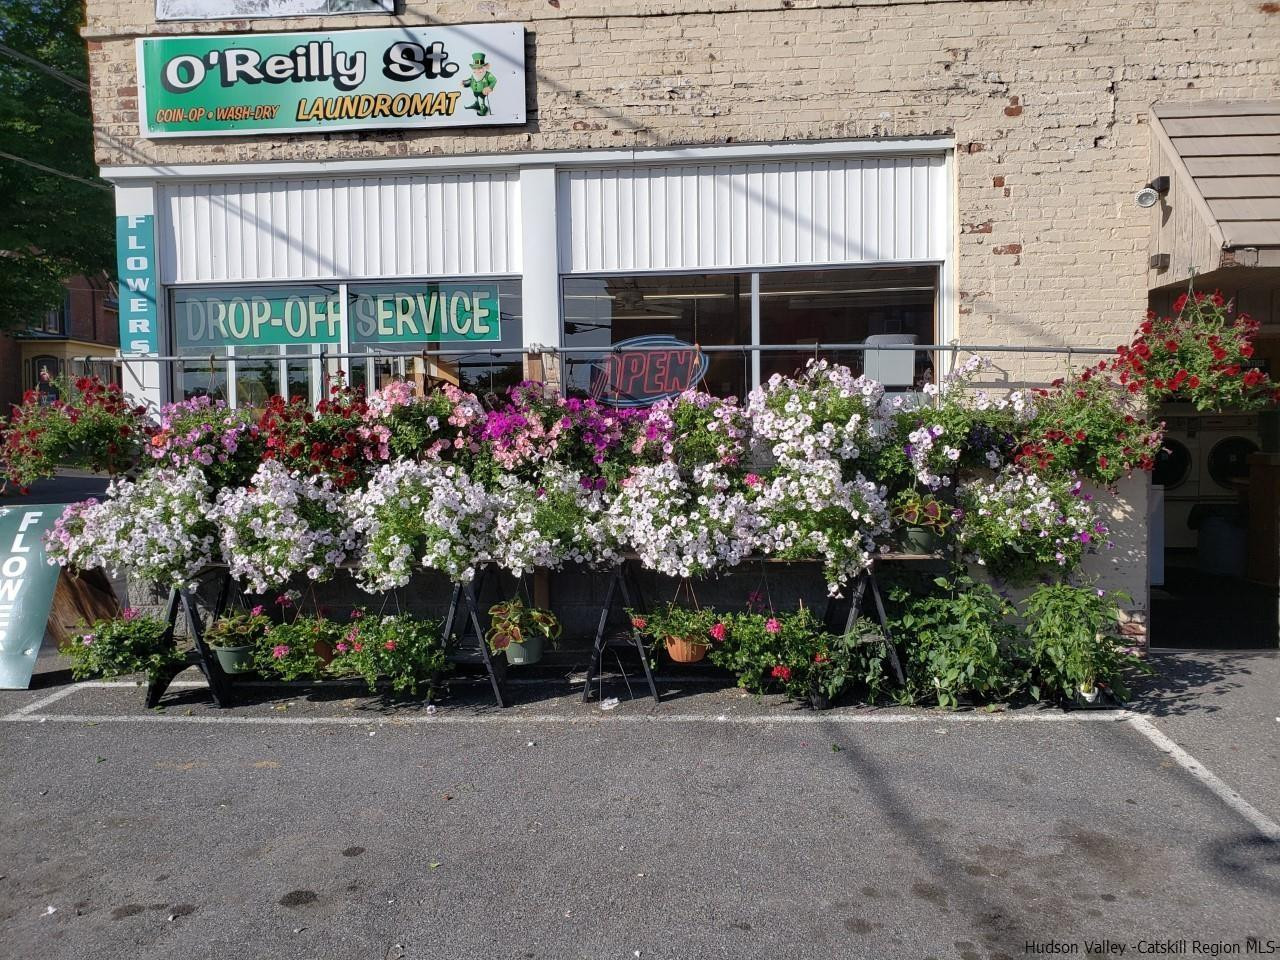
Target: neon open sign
643,370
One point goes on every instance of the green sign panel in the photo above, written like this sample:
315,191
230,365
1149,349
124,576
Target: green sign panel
426,313
236,84
233,317
27,583
388,313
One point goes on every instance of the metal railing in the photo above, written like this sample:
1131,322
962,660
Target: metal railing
573,356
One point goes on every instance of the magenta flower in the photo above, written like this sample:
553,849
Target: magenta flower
751,479
718,633
280,652
772,625
130,613
258,611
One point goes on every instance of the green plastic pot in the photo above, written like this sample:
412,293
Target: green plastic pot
524,654
235,659
920,540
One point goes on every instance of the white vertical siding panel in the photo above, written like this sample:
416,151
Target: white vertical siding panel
360,228
436,239
725,228
754,199
770,222
940,208
920,201
903,183
823,213
642,223
204,241
399,194
343,235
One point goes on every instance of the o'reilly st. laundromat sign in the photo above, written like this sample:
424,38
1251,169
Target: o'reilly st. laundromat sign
337,80
399,313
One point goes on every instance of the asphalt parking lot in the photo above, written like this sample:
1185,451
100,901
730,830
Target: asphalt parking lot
719,825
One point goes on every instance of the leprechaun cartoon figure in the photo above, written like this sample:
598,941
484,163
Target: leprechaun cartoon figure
480,83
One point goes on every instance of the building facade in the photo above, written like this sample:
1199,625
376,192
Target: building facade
722,173
85,324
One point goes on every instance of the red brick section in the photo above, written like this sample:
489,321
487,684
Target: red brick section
1008,249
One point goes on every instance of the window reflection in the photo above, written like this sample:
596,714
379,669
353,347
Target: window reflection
847,306
705,310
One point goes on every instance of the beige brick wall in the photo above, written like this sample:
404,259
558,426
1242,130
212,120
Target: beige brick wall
1048,101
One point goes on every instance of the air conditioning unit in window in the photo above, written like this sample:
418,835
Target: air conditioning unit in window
893,368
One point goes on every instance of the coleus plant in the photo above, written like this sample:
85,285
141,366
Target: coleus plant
512,622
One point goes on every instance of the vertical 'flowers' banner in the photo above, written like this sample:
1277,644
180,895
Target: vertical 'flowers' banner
27,582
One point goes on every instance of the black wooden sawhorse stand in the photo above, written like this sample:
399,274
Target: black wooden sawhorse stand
180,601
467,594
850,608
631,599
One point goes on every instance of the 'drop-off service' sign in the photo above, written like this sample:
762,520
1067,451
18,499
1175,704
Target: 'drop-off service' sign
236,84
27,583
395,313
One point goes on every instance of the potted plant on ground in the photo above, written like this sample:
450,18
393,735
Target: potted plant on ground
236,637
404,650
131,643
959,644
792,653
1076,646
520,632
299,649
685,633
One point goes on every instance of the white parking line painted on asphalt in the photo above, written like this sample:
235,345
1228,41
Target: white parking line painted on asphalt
43,701
595,716
1264,824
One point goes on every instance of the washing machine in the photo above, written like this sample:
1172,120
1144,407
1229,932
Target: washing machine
1177,470
1226,443
1204,462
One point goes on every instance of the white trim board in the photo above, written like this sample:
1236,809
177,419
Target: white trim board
285,169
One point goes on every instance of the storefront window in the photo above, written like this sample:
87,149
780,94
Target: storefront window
481,318
801,307
847,306
705,310
239,339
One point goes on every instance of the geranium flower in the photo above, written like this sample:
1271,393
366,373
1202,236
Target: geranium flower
781,673
280,651
772,625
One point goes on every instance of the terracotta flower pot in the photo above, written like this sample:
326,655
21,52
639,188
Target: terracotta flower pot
324,650
683,651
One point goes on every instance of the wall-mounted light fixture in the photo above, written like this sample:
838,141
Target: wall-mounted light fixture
1158,261
1150,195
